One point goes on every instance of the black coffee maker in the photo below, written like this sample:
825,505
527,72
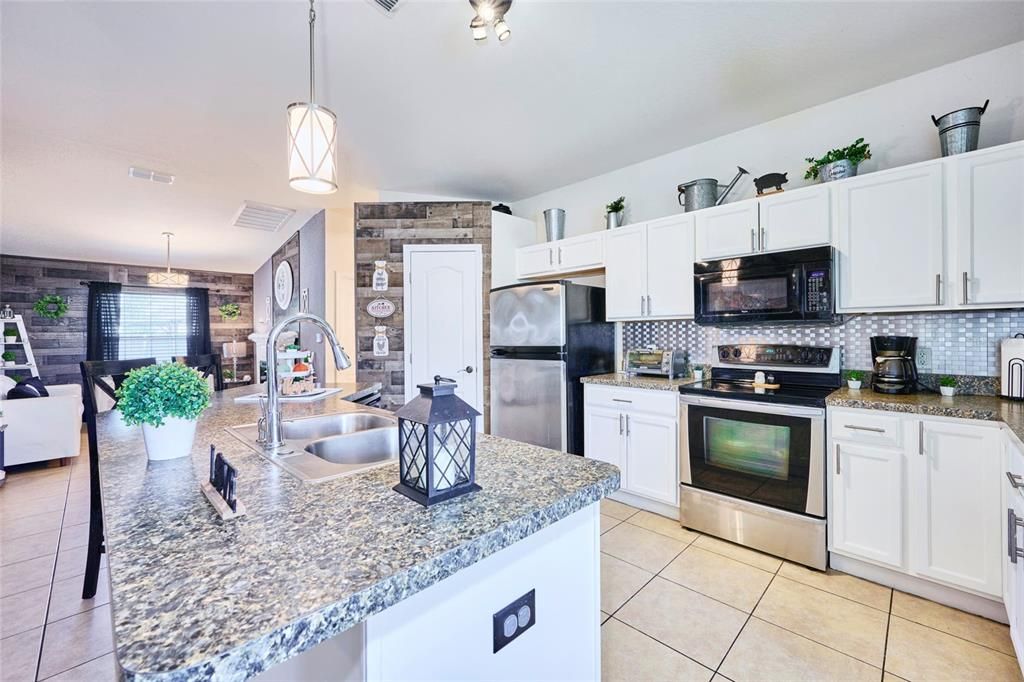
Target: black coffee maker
895,364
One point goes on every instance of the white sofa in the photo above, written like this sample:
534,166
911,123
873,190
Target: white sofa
39,429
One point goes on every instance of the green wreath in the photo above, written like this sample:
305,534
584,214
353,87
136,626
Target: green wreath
51,306
230,311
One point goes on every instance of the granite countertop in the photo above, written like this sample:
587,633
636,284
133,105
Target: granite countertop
985,407
195,597
623,380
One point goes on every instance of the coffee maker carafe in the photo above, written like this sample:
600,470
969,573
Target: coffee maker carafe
895,364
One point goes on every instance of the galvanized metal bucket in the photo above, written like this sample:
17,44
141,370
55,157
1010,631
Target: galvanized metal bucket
613,220
959,130
837,170
554,224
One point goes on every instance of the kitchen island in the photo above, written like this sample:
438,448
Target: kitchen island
347,564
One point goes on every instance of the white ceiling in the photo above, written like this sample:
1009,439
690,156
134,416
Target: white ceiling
198,89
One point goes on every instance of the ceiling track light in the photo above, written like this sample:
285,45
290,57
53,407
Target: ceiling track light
490,13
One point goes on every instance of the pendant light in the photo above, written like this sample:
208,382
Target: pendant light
166,278
312,138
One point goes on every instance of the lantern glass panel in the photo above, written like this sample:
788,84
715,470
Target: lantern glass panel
451,450
413,445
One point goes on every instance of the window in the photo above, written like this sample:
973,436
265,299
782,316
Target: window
154,324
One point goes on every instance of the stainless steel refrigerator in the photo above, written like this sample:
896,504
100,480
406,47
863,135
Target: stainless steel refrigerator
544,337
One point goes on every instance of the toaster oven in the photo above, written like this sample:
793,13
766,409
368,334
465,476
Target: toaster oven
656,362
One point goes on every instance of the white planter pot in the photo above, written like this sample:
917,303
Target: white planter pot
172,440
948,391
853,384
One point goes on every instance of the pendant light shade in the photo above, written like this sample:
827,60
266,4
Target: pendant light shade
166,278
312,137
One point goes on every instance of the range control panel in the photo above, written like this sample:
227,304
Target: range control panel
775,354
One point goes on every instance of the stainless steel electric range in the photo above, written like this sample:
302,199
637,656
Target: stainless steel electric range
752,453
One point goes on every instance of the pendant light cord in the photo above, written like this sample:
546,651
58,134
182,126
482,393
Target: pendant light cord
312,20
168,252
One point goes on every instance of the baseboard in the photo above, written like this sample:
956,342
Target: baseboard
646,504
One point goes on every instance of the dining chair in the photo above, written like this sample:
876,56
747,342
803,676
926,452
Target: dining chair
209,365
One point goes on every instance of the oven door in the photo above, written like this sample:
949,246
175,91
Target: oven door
749,295
768,454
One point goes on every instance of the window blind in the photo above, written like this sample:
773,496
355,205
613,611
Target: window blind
153,324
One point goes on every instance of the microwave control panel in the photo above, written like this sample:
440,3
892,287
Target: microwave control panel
819,295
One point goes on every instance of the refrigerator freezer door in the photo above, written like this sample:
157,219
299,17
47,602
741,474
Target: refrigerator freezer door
529,315
528,401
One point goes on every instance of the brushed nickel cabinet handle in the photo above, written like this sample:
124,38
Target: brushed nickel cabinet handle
620,424
621,400
753,243
650,309
627,425
920,438
1015,480
872,429
643,307
559,255
838,469
965,288
938,289
1012,523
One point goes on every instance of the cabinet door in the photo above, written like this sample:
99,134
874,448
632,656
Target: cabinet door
1013,592
580,253
795,220
535,260
866,505
603,436
954,472
891,232
990,224
670,267
727,230
652,457
626,273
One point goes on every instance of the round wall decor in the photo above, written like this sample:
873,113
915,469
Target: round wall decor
380,308
51,306
283,285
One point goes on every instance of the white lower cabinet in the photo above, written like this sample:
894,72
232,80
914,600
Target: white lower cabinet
637,430
1013,563
867,502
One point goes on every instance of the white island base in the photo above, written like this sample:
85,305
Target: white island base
446,631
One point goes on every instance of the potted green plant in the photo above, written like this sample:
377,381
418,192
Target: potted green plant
10,333
166,400
230,311
8,357
613,213
947,386
854,378
838,163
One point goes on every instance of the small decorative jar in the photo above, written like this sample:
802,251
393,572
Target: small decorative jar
380,276
381,347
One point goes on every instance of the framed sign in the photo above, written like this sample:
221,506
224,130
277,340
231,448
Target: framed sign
380,308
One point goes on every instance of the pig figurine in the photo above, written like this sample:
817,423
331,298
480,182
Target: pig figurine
776,180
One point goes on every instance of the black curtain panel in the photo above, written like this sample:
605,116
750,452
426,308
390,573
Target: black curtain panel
197,308
104,319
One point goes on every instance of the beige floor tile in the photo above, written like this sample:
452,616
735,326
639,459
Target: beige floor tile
739,553
641,547
889,677
844,625
102,669
24,575
72,562
951,621
691,623
16,509
604,617
72,536
76,640
77,514
617,510
23,611
663,525
78,484
628,656
19,655
719,577
36,478
608,522
619,582
28,547
38,490
868,593
916,652
767,652
66,597
29,525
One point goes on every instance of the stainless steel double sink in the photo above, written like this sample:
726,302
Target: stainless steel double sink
328,446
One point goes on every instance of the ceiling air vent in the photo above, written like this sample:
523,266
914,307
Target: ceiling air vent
263,217
150,175
388,6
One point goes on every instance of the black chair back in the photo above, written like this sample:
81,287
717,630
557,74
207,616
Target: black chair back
208,365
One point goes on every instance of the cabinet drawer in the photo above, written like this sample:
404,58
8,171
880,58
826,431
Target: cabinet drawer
665,403
866,426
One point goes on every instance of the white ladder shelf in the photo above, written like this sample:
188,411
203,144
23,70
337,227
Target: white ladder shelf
29,361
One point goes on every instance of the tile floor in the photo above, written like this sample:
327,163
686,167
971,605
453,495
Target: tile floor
676,605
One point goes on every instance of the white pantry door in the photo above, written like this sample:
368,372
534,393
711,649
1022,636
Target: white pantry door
443,300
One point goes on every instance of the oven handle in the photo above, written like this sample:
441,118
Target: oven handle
753,406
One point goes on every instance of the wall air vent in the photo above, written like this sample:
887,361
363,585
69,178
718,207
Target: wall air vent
388,6
263,217
150,175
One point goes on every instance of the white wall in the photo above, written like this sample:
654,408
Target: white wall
894,118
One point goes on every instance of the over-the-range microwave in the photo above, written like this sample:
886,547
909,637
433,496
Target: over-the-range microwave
788,286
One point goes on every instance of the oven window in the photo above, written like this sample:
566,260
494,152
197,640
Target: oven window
756,449
729,295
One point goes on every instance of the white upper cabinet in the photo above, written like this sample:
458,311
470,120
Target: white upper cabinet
796,219
727,230
891,239
670,267
576,254
989,210
535,260
625,273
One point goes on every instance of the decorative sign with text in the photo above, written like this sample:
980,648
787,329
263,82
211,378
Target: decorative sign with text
380,308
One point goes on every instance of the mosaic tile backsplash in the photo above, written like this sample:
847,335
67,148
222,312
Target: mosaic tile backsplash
962,343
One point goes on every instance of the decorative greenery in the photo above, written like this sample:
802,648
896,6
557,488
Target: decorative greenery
17,378
855,153
51,306
149,394
7,356
230,311
228,374
947,381
10,332
855,375
616,206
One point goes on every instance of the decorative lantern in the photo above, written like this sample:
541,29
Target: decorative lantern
436,444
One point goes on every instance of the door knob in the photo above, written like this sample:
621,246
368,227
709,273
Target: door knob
468,370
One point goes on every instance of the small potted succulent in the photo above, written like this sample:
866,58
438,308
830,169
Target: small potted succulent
854,378
613,213
838,163
947,386
8,357
166,400
10,333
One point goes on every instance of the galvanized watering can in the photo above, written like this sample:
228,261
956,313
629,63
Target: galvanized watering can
703,193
